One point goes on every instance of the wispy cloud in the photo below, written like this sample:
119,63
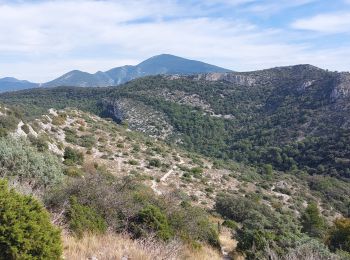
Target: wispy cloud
47,38
325,23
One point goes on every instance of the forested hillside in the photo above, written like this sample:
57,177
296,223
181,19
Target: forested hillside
102,183
294,118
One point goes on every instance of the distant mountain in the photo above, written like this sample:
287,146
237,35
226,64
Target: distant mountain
160,64
11,84
294,118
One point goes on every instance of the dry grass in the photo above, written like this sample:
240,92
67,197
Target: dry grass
117,246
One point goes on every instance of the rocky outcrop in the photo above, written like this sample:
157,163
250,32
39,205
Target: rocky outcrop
111,109
234,78
342,86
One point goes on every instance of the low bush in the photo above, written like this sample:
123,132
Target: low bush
151,219
73,171
339,235
154,163
59,120
84,219
18,159
230,224
72,156
26,231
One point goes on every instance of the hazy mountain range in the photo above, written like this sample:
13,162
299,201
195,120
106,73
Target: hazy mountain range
160,64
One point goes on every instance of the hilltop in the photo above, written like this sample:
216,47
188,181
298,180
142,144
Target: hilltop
160,64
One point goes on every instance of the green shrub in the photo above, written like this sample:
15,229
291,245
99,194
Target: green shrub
84,219
152,219
59,120
18,159
192,224
8,123
339,235
230,224
72,156
154,163
87,141
25,229
39,142
312,221
133,162
73,172
71,135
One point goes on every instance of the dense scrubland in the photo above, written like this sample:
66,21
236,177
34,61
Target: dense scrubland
233,170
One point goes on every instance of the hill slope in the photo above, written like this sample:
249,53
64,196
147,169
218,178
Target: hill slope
12,84
160,64
107,169
295,118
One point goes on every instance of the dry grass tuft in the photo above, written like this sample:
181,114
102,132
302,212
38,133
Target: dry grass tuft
118,246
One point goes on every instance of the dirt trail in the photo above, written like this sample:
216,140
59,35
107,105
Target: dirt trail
154,185
228,244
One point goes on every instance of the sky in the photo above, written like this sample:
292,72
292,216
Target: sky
41,40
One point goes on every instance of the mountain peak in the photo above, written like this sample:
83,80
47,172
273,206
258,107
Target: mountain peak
159,64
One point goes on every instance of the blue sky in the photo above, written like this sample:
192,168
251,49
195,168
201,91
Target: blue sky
43,39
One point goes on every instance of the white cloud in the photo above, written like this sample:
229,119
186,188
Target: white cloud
47,39
325,23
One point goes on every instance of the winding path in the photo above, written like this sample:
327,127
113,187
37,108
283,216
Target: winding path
154,185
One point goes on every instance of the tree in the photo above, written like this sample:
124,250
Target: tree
312,222
25,228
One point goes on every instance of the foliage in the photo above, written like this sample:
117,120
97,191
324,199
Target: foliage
154,162
59,119
261,228
73,171
151,219
312,221
230,224
72,156
8,123
21,161
25,230
332,190
39,142
84,219
273,120
339,236
125,204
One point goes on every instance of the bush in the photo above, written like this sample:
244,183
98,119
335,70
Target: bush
87,141
39,142
152,219
339,236
154,163
133,162
84,219
73,172
8,123
72,156
230,224
25,230
19,160
313,223
59,120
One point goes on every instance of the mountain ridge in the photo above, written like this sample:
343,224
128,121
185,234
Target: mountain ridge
159,64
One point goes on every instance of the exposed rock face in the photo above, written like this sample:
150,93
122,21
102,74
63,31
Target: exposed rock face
342,86
235,78
112,110
305,85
